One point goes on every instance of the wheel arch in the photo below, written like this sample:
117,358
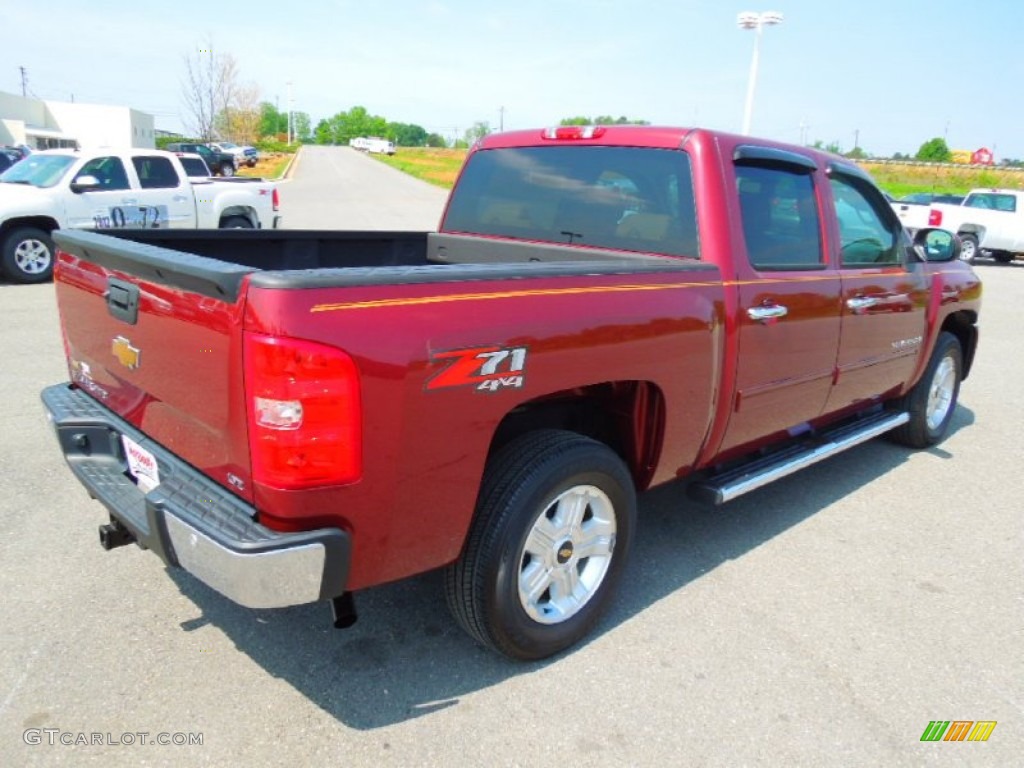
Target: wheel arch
244,211
627,416
964,325
46,223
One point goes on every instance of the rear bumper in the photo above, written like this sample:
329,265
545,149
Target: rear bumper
189,520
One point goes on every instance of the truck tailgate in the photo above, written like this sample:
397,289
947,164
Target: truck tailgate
155,335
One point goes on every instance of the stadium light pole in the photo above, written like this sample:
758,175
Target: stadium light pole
756,22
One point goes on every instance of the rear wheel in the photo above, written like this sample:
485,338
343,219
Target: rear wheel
1003,257
227,169
968,247
933,399
552,533
28,255
236,222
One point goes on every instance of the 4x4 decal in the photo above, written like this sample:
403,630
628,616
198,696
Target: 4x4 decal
487,369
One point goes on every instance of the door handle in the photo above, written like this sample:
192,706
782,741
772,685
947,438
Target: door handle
859,304
767,314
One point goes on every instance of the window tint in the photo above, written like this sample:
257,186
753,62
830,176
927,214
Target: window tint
781,224
866,236
155,172
621,198
109,171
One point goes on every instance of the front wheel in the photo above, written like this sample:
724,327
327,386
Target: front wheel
933,399
551,536
28,255
968,248
227,170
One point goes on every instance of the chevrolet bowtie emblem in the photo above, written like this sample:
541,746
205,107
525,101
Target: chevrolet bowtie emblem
126,354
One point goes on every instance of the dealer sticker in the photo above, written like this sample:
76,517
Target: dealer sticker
141,464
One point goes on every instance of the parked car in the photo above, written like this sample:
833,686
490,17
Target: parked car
221,163
244,154
7,159
115,189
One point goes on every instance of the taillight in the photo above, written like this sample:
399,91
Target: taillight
275,199
305,413
574,132
934,218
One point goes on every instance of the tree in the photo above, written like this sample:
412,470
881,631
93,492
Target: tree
344,126
857,153
477,132
272,122
436,140
210,85
407,135
240,121
301,130
602,120
934,151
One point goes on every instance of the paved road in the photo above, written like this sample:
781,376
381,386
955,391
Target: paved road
341,188
824,620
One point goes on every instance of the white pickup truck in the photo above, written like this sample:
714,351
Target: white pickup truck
989,220
103,188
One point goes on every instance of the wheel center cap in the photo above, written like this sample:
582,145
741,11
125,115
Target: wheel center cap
565,550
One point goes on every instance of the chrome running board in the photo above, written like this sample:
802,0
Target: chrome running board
733,483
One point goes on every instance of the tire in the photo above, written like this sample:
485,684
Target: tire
251,163
523,586
968,247
28,255
236,222
1003,257
933,399
227,170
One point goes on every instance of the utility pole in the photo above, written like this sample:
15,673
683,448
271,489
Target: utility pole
289,111
24,82
501,118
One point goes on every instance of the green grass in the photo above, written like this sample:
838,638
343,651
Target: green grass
899,179
435,166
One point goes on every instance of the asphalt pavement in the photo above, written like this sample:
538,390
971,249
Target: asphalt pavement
825,620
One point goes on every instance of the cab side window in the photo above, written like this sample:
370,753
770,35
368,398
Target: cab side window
866,236
155,172
109,171
781,223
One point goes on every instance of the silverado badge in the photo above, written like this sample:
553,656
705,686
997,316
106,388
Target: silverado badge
126,354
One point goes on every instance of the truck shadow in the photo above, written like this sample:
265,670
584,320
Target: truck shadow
406,658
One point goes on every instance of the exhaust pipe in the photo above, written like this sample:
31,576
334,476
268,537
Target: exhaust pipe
343,611
114,535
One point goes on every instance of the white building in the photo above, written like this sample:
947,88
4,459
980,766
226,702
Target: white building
47,124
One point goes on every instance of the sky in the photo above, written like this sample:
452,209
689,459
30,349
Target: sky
885,75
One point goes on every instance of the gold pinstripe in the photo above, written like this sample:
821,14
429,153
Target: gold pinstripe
454,297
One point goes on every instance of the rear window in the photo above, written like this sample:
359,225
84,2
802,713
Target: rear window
621,198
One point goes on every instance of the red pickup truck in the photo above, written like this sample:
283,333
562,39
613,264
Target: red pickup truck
296,416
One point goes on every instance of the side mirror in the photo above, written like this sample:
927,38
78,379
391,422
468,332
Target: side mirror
936,245
85,183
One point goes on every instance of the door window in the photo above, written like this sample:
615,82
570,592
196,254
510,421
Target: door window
109,171
867,237
781,224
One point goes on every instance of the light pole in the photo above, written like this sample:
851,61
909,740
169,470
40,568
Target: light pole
756,22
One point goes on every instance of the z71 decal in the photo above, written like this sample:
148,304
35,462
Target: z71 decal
486,369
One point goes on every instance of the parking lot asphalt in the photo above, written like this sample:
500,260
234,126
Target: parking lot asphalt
824,620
